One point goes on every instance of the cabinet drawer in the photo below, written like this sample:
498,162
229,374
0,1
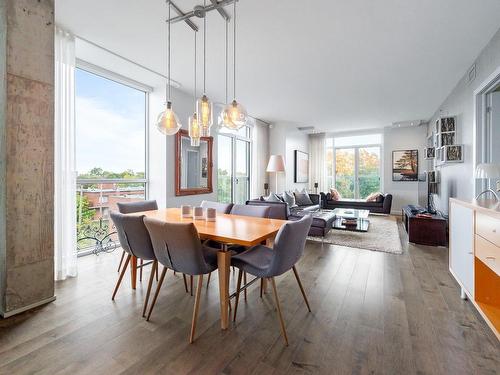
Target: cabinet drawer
488,227
488,253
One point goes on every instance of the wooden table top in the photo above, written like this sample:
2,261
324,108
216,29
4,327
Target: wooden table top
235,229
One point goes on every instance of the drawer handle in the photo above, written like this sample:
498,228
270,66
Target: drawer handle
491,258
494,230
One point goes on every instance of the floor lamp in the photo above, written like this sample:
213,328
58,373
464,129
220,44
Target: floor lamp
276,164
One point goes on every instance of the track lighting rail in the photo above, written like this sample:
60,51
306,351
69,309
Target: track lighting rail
200,11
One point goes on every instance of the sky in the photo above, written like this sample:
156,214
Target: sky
110,125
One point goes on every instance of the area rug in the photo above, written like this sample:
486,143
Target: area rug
382,235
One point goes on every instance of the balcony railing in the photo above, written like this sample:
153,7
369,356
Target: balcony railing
96,232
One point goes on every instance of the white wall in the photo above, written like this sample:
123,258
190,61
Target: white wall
457,180
411,138
284,138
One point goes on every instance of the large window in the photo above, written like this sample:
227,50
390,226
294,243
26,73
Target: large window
353,165
233,172
111,146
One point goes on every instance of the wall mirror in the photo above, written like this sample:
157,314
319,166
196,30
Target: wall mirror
193,165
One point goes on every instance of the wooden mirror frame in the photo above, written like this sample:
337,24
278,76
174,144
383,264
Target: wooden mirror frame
179,191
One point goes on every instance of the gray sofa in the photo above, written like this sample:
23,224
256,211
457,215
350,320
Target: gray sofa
381,207
280,210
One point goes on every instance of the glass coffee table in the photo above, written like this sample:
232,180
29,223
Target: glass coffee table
359,219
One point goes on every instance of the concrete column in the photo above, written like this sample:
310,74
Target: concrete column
26,154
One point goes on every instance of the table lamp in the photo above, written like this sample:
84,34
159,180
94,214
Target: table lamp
488,171
276,164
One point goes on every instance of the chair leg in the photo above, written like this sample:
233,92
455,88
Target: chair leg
191,283
156,273
124,269
245,283
278,308
121,261
140,271
158,287
196,308
185,283
208,280
238,289
150,283
301,287
261,287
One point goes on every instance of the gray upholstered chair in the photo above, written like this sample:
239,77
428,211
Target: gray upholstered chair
222,208
264,262
135,241
243,210
247,210
177,246
131,207
140,206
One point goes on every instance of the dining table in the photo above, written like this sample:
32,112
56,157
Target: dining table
227,229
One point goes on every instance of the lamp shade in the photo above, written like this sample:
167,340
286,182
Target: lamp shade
276,164
488,170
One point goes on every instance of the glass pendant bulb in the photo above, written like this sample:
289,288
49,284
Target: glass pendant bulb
168,122
237,115
204,111
194,130
224,121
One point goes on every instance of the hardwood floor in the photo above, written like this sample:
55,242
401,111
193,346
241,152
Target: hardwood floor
371,313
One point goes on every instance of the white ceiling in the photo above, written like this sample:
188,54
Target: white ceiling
334,64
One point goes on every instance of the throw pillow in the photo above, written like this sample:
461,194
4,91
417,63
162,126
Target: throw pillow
302,198
335,195
289,198
375,197
272,198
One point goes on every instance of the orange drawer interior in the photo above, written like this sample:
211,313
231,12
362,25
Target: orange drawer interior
488,253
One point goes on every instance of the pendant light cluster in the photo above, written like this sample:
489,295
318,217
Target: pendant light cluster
233,116
194,125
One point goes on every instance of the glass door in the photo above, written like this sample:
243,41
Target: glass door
345,172
357,171
233,172
224,169
242,171
368,171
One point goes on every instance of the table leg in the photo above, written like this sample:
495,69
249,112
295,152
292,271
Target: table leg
133,271
224,263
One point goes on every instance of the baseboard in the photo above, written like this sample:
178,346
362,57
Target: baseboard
8,314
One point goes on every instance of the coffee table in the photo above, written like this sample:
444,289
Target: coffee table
361,216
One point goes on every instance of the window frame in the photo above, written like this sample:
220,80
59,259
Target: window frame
117,78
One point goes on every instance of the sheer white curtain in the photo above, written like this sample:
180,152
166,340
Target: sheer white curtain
64,155
260,156
317,152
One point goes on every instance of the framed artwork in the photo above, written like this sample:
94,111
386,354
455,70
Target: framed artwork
430,153
301,166
405,165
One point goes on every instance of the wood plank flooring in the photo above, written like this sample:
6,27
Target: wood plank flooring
373,313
